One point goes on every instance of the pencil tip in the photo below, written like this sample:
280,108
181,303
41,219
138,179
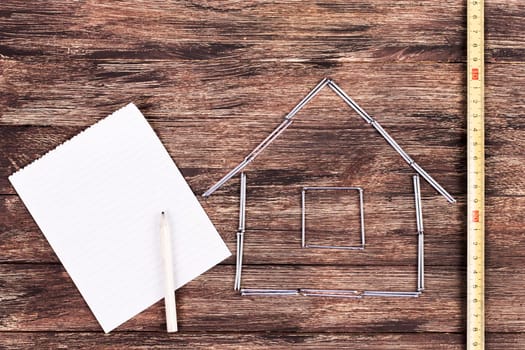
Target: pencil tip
162,213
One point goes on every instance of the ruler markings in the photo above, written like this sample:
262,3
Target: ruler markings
475,177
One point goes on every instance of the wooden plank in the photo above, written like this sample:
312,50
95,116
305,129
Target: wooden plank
503,20
254,341
43,298
284,30
73,94
51,91
504,340
321,31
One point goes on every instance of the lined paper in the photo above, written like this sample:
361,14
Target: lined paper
97,199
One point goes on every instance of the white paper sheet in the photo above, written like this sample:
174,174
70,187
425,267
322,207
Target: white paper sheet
98,197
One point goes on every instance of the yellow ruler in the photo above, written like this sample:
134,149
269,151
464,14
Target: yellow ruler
475,178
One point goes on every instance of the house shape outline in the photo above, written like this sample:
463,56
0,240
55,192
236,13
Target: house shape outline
346,293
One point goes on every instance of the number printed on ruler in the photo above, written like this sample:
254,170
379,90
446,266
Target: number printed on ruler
475,176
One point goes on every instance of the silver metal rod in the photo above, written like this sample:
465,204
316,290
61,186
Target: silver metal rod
242,226
326,188
335,293
241,247
362,216
226,177
308,97
334,247
269,139
372,293
420,238
422,257
242,221
238,272
392,142
328,295
432,182
303,218
350,102
417,200
269,292
257,150
240,232
237,264
312,290
412,163
419,262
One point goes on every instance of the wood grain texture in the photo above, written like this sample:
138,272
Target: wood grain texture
257,341
322,31
43,298
195,30
209,303
214,78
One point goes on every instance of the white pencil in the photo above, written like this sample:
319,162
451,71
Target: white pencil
169,283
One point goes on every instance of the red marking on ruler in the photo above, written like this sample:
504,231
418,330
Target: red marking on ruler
475,74
475,216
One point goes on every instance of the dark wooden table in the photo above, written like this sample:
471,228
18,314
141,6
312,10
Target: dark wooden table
213,78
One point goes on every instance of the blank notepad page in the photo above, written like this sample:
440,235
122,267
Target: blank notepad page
98,197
